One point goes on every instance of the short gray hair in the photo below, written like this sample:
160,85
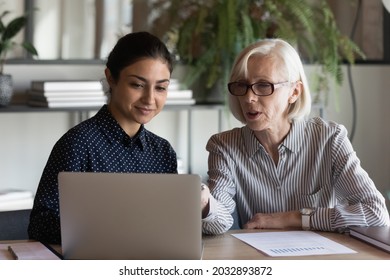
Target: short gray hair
291,63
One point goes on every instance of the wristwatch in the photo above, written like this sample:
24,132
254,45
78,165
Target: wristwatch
306,215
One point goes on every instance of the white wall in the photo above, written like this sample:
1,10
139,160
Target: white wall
27,138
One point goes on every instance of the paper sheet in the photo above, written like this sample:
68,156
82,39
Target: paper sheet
292,243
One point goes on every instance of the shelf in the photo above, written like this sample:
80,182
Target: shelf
82,113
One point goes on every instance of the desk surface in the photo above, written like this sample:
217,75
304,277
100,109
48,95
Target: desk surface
227,247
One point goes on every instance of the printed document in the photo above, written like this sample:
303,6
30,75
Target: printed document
292,243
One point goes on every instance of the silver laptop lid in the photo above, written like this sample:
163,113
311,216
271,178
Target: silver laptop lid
130,216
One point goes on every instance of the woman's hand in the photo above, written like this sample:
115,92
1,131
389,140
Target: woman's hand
280,220
204,200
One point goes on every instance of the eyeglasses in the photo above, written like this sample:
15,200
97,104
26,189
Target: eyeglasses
260,88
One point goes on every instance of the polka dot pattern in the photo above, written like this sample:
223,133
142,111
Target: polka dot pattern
98,144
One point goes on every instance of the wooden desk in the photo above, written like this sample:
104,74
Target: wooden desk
227,247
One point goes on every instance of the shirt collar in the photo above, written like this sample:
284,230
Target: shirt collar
114,131
293,140
251,142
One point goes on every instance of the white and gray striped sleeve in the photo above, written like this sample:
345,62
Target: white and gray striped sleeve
359,201
222,189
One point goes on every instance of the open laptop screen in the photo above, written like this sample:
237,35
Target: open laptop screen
130,216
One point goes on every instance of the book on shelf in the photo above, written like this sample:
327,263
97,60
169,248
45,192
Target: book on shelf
377,236
179,94
17,204
177,90
66,104
63,98
178,101
14,199
65,94
66,85
14,194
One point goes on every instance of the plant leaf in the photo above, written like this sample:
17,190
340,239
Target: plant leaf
30,48
14,27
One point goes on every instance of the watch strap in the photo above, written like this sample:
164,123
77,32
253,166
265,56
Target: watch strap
306,222
306,214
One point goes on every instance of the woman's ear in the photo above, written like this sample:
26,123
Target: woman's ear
298,88
109,77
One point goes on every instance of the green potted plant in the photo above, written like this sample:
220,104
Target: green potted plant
7,34
207,36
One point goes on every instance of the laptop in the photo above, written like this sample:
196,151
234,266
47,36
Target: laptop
130,216
379,236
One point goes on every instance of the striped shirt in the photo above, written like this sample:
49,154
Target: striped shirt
317,168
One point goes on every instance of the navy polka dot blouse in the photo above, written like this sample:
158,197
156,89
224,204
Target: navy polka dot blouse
98,144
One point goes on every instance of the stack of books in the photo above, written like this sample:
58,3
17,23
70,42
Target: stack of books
177,95
63,94
14,199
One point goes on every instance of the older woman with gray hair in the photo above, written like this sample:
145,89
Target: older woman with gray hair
282,169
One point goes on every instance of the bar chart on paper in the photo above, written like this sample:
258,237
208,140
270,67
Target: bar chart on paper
292,243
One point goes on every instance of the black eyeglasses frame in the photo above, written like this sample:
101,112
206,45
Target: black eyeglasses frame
273,87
